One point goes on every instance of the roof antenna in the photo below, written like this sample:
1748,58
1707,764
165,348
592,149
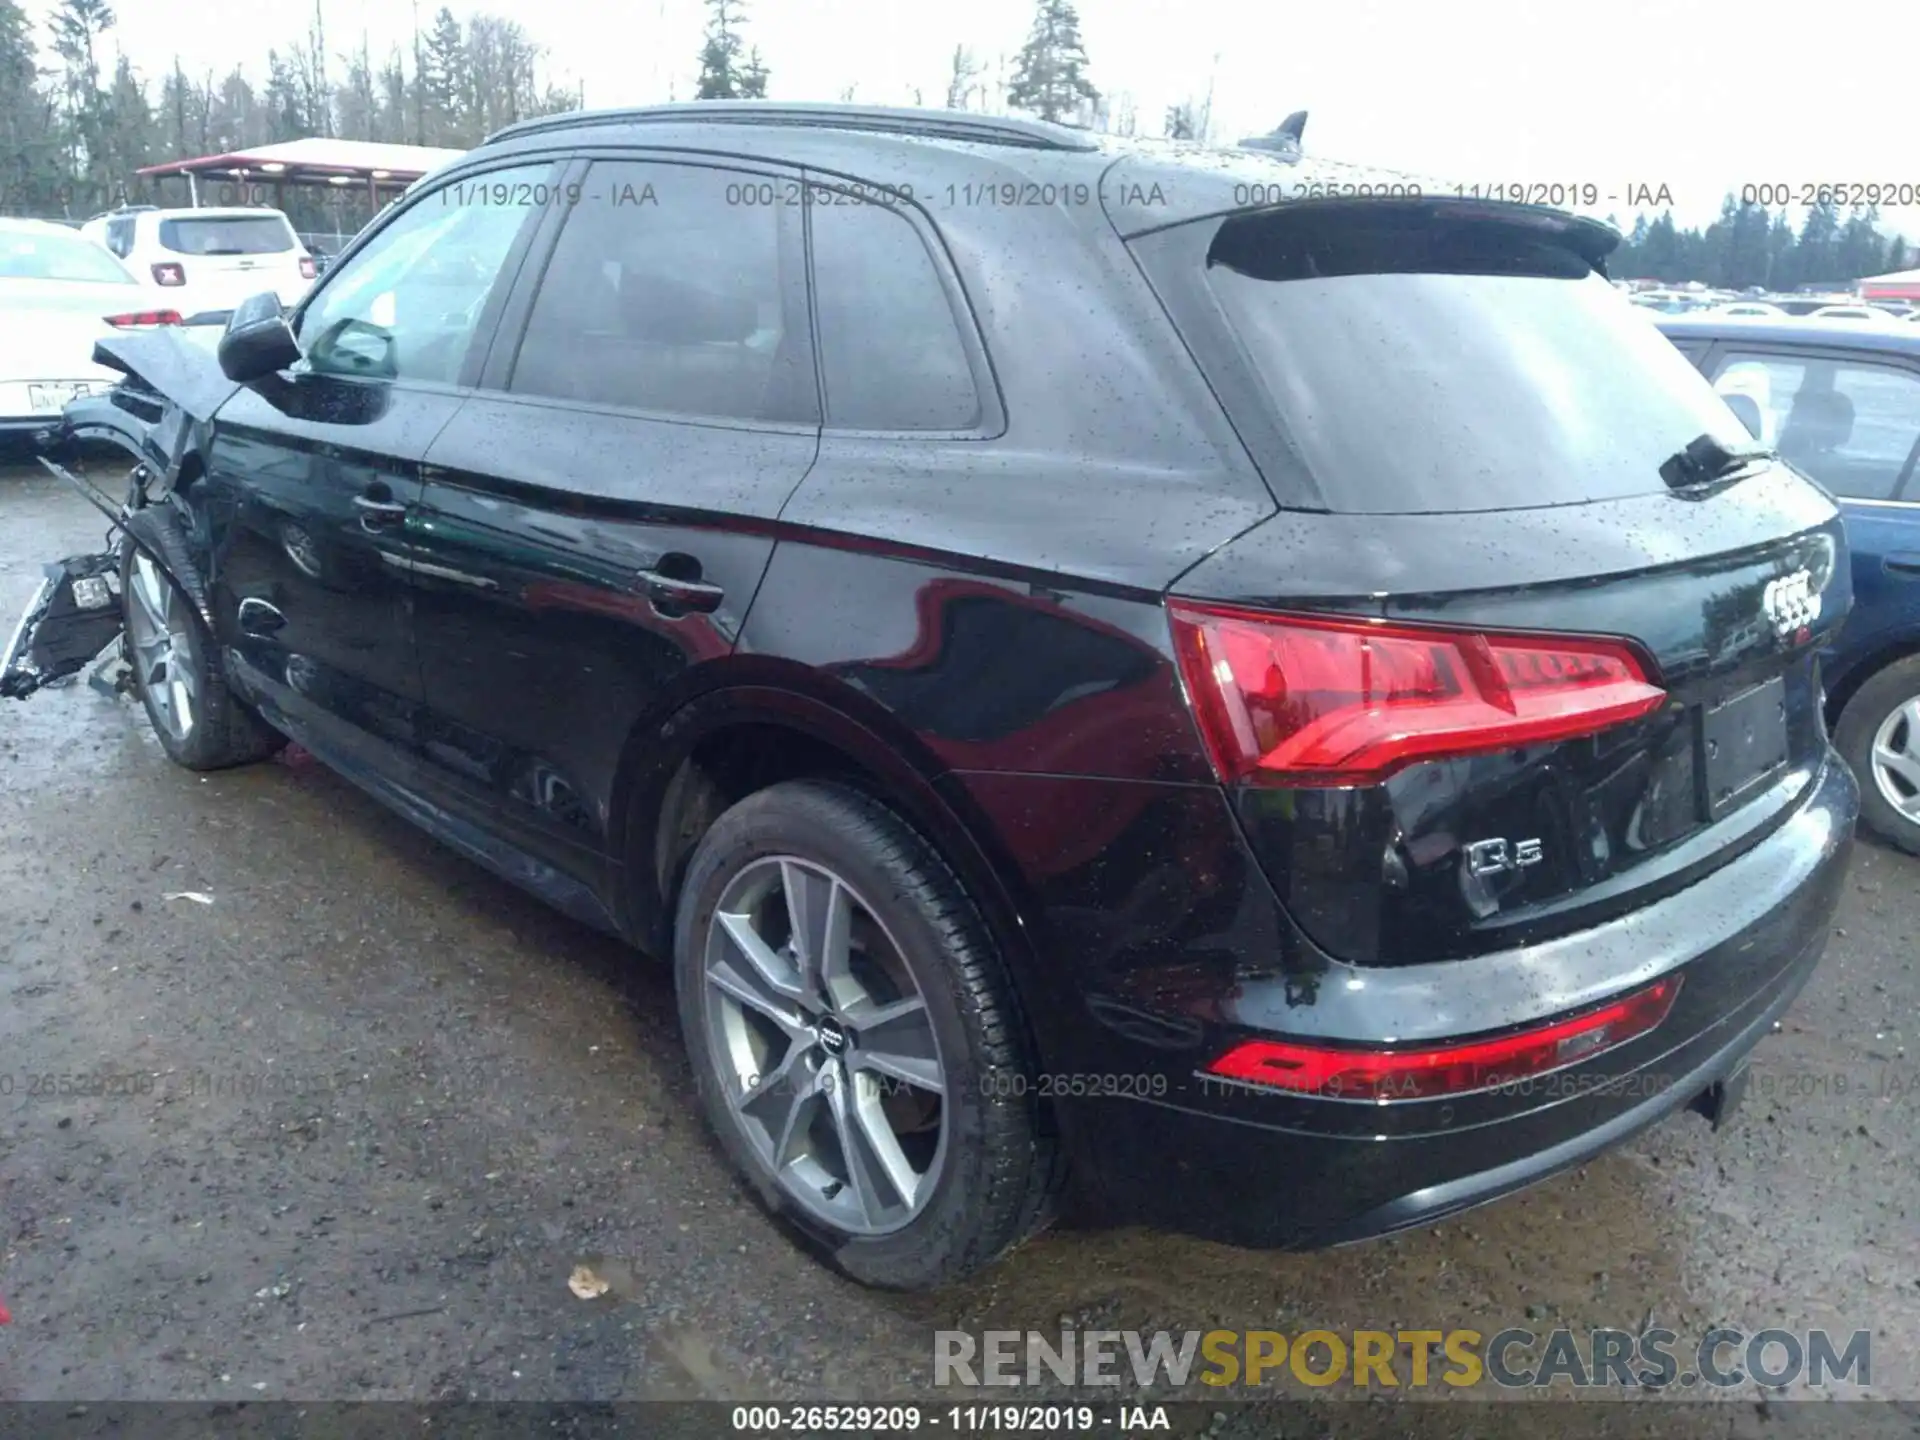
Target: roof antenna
1285,139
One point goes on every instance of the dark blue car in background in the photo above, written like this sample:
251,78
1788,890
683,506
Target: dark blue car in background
1840,400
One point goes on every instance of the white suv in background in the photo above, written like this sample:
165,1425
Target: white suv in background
207,259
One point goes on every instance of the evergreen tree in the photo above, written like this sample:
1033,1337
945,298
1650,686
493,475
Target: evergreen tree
1814,254
1743,260
77,28
443,79
1782,272
726,72
285,101
32,169
126,134
1050,72
1660,258
753,80
1858,250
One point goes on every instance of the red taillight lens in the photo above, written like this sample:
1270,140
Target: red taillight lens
169,273
307,268
145,317
1385,1075
1302,700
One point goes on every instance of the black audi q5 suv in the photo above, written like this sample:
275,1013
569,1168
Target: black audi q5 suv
1252,688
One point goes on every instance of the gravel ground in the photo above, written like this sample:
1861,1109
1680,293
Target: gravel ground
390,1104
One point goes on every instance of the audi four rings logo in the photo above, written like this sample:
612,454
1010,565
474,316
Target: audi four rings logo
1791,603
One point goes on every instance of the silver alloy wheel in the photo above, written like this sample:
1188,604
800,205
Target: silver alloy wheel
824,1046
161,634
1896,759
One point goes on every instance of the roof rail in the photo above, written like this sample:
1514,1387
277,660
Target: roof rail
880,119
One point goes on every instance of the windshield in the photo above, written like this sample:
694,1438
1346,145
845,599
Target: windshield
1423,363
36,255
227,235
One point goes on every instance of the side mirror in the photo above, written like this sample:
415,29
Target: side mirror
258,341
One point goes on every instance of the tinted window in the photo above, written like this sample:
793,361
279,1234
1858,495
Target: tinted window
891,356
1427,363
120,237
227,235
1851,425
406,306
44,255
669,291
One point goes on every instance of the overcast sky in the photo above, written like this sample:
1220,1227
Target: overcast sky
1699,95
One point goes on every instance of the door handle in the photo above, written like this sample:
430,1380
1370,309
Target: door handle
378,509
674,595
1907,564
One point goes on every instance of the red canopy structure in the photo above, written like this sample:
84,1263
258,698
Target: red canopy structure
1900,285
256,176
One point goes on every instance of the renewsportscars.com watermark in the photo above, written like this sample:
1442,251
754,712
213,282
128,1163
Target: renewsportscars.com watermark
1516,1359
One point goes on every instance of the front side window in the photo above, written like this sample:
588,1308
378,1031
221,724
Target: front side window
407,306
669,291
1852,425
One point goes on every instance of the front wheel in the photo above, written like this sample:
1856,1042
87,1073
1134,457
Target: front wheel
855,1038
1879,733
198,721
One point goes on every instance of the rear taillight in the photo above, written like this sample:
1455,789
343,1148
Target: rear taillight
307,268
1379,1076
1306,700
169,273
144,317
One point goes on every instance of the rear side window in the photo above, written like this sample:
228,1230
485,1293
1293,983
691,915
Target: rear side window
120,237
1854,426
1421,361
891,356
667,294
226,235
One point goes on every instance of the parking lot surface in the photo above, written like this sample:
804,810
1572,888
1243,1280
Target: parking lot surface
381,1105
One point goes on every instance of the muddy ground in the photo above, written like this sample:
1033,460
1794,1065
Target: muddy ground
389,1103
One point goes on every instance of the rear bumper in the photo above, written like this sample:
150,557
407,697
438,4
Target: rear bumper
1264,1169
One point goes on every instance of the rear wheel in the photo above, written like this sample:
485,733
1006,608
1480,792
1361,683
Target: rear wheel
1879,733
198,721
855,1039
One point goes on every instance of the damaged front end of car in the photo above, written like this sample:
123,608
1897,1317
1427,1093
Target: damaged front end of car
158,414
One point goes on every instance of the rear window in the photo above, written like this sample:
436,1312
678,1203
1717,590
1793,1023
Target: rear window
227,235
44,256
1422,362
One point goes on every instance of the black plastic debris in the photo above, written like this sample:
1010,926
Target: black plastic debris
74,616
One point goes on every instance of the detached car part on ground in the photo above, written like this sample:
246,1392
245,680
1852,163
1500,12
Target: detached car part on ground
83,606
1114,750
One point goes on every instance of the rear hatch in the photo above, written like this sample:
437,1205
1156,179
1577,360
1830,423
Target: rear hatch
1533,640
225,257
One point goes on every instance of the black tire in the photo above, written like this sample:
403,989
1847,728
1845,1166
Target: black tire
223,732
1001,1173
1884,693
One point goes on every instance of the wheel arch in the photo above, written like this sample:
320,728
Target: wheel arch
1890,652
763,721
